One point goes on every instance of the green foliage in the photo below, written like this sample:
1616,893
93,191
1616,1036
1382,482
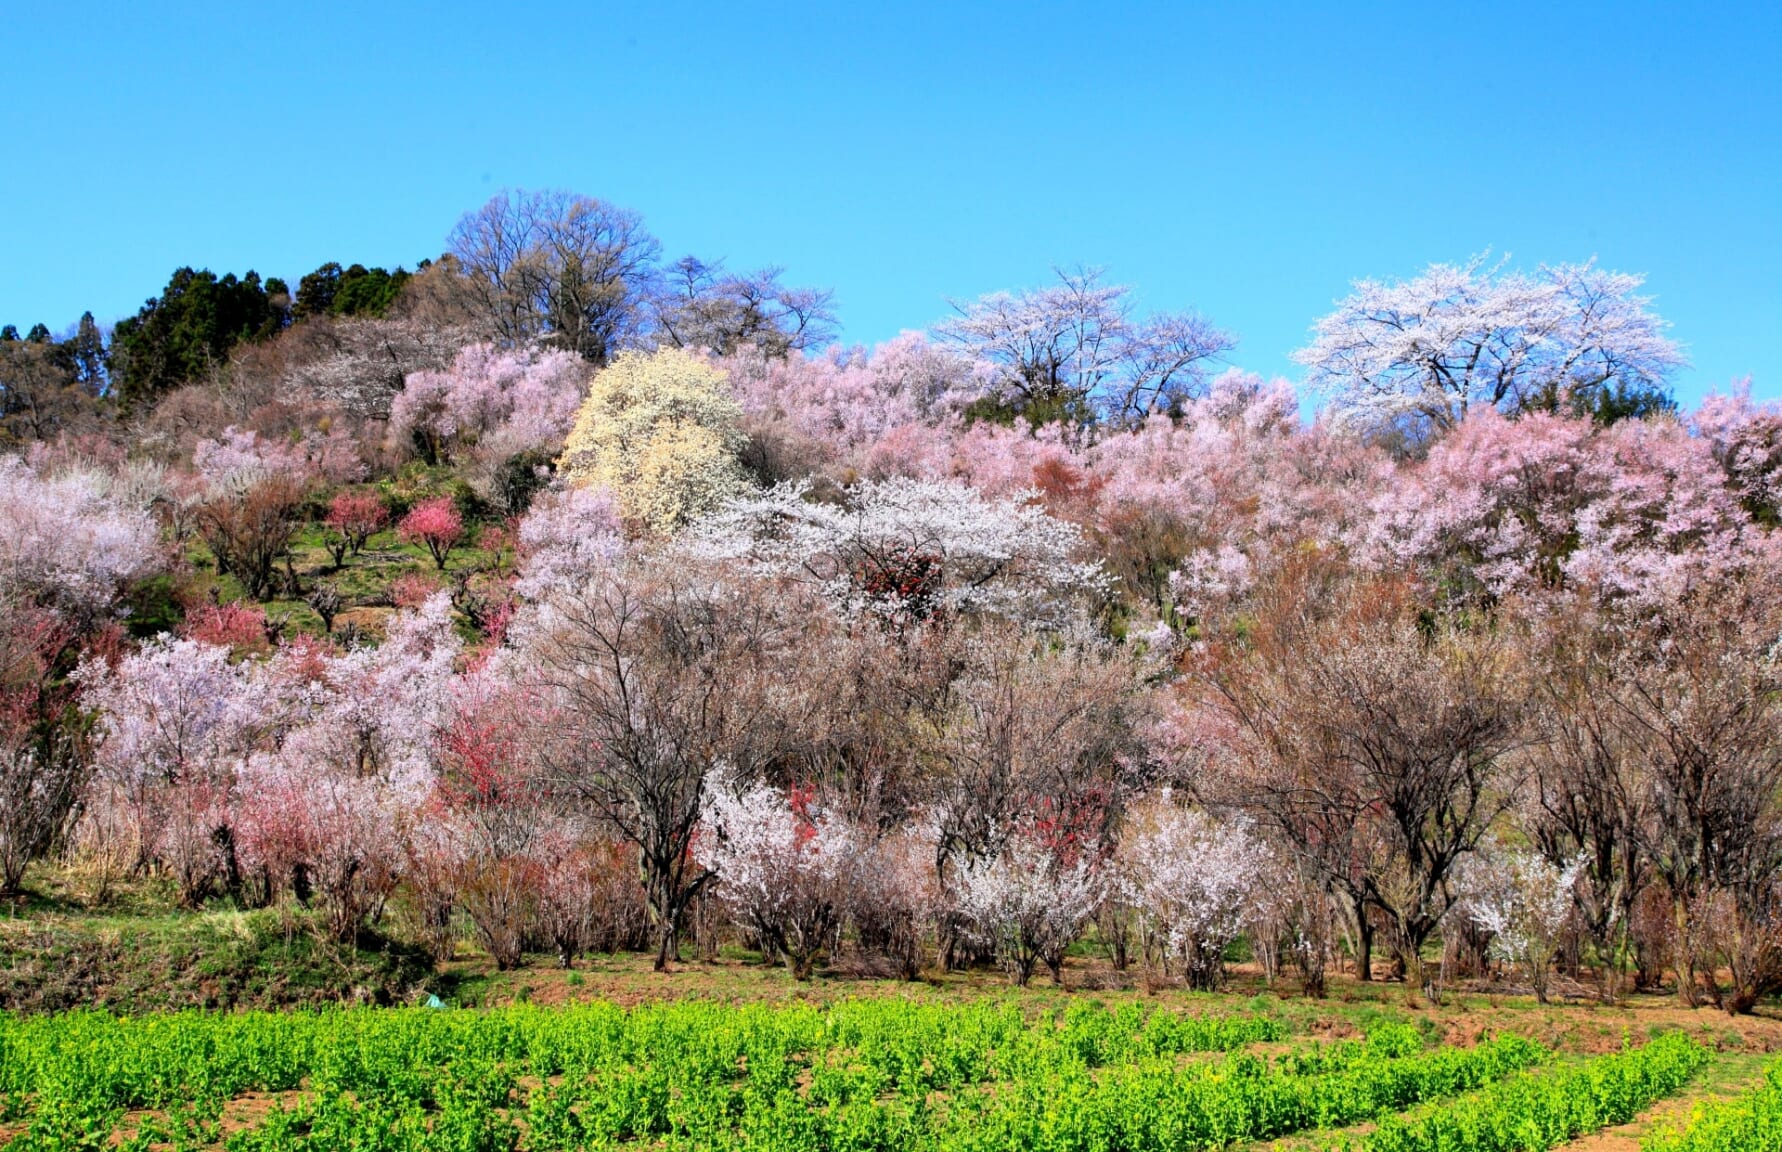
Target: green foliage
869,1075
521,477
192,325
1752,1120
1534,1112
418,482
355,291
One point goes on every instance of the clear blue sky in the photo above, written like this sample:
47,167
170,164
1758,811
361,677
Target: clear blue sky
1242,159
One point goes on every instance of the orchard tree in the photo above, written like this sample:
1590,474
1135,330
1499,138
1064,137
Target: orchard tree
1034,735
908,551
1588,804
567,535
249,530
1417,356
1027,903
1698,701
75,538
436,526
489,406
661,673
788,869
1376,740
353,519
43,758
1076,350
1523,902
660,431
1193,880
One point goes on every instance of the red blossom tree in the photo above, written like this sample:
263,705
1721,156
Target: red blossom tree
353,518
435,525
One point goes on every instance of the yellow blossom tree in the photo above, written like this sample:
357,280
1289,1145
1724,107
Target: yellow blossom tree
661,431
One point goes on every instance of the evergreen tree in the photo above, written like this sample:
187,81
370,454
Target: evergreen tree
179,335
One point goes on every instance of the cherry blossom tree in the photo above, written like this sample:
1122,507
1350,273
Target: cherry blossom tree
907,550
305,812
241,457
1746,438
1428,351
1075,349
489,787
1523,902
359,364
894,411
1194,881
1027,903
489,406
788,869
588,897
435,525
1638,512
568,534
176,719
661,672
899,894
701,306
70,543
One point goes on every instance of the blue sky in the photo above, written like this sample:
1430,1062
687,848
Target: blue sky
1247,160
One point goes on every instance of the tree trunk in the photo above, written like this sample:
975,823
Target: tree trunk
1364,944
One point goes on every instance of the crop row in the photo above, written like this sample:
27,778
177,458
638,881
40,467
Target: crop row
147,1062
872,1076
1544,1109
1752,1120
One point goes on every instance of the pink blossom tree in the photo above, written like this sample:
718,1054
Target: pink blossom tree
176,719
1636,512
353,519
568,534
436,526
491,404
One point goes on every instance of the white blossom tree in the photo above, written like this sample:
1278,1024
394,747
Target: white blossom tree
1524,903
1028,903
72,539
1423,351
786,867
908,549
1077,350
1194,881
